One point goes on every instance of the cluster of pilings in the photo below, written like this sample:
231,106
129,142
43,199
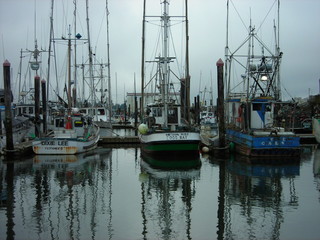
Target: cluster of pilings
9,149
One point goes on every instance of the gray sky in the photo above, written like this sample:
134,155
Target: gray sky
299,37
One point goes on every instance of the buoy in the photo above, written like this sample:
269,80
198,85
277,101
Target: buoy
69,123
143,128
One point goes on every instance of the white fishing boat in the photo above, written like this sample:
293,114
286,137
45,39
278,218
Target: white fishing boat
72,132
164,131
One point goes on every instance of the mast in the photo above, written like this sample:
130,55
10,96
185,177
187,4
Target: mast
187,81
75,55
165,79
142,62
278,54
109,73
49,55
227,76
90,57
69,73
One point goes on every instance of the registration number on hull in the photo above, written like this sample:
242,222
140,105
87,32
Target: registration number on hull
177,136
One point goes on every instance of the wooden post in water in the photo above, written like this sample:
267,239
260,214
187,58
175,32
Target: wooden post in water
37,105
222,130
44,105
7,101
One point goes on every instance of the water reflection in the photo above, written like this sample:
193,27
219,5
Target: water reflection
166,204
252,199
54,195
115,194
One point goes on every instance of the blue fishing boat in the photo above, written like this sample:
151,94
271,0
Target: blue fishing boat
252,103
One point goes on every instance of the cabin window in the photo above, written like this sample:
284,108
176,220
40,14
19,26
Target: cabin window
157,112
101,112
173,115
78,123
2,100
30,110
59,122
256,106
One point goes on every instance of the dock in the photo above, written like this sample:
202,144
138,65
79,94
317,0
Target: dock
120,140
21,149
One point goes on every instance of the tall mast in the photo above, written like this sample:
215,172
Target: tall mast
90,57
165,80
227,76
142,62
49,50
69,73
75,55
109,73
187,77
278,54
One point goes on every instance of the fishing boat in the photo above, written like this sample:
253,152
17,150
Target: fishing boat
164,131
252,104
72,132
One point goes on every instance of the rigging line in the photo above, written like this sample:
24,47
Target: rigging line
175,53
102,20
267,15
286,90
239,16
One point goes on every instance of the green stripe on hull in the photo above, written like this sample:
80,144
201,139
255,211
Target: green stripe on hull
172,147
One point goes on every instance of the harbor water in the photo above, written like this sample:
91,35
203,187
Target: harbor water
111,193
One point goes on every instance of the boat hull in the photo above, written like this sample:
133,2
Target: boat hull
173,144
264,146
63,145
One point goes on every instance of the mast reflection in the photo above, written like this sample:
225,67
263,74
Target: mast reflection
254,198
166,199
67,193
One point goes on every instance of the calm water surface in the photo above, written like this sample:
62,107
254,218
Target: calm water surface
114,194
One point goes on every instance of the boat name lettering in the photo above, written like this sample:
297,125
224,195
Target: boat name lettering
177,136
52,143
47,142
63,143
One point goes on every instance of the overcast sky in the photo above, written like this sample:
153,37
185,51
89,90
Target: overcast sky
299,37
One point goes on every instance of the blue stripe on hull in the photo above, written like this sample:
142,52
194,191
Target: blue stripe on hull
266,146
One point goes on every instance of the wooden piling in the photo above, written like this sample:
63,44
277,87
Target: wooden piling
8,100
44,105
222,131
37,105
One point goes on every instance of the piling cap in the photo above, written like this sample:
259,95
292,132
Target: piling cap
43,81
6,63
37,77
220,63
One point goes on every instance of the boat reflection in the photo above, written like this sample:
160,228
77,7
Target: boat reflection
254,198
171,162
58,192
166,205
